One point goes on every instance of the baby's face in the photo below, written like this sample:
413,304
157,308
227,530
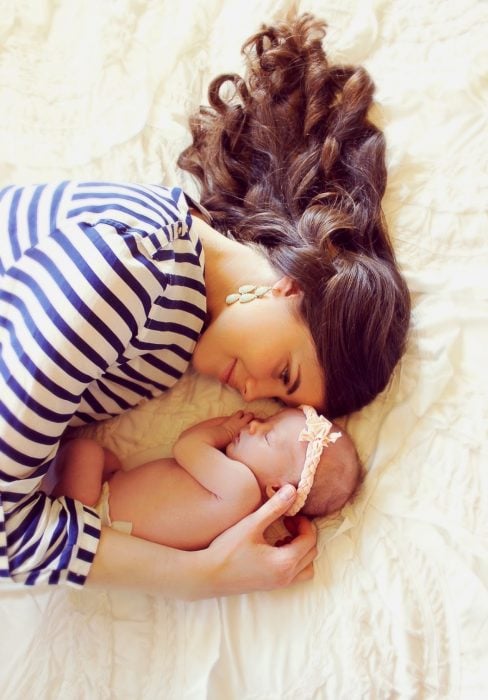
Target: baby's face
270,447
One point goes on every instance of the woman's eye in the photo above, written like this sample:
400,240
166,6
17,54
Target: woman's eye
285,376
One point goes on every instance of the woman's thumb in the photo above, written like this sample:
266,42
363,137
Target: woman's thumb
275,507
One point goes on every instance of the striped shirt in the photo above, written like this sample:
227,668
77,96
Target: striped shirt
102,299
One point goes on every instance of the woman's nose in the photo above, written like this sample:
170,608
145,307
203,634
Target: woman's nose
248,390
254,389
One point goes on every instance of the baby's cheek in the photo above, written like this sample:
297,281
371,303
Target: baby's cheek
232,451
228,450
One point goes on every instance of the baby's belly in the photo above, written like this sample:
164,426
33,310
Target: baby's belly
166,505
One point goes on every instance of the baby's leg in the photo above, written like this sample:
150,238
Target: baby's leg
83,465
111,464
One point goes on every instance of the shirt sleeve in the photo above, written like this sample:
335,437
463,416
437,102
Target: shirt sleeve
74,292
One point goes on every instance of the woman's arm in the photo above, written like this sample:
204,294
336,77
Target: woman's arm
198,451
238,561
74,293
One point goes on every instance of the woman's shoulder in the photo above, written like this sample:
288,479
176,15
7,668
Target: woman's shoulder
138,204
70,199
42,209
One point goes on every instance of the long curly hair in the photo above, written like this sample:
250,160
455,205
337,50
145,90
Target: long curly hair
287,158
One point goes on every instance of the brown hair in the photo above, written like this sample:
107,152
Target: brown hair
291,161
337,480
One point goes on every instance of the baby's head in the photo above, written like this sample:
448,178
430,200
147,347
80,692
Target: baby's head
300,447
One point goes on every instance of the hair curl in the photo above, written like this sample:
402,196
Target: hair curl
290,160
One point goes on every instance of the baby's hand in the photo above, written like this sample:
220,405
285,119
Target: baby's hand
235,423
217,432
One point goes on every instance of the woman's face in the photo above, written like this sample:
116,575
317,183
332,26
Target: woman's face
263,349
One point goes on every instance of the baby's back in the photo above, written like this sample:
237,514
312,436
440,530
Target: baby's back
167,505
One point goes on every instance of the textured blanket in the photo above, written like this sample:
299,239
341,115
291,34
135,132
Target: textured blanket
398,607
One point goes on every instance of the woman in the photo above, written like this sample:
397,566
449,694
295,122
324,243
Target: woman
110,290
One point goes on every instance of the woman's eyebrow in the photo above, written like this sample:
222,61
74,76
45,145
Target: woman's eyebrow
295,384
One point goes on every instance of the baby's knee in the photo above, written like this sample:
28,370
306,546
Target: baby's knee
111,464
81,450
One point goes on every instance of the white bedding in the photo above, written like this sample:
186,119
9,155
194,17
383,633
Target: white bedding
398,607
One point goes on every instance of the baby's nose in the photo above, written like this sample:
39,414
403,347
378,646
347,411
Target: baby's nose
254,426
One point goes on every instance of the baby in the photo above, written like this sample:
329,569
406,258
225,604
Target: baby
223,469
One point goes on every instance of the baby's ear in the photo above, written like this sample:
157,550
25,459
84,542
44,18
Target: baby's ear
286,287
271,490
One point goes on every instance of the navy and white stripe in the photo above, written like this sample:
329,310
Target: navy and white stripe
102,300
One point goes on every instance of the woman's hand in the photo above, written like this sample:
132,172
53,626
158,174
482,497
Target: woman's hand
240,560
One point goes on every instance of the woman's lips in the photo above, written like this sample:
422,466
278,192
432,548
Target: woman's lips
225,377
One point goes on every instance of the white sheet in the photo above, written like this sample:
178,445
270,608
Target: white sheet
398,607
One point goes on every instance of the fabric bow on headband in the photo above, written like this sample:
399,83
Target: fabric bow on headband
317,428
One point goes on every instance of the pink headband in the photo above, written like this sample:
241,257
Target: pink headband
317,434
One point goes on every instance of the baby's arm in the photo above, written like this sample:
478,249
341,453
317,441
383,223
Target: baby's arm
198,451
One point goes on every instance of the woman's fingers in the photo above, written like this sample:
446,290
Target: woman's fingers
272,509
299,552
240,559
304,574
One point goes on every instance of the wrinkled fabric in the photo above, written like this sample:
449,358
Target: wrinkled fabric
398,605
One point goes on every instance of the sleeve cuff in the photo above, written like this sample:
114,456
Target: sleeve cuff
84,551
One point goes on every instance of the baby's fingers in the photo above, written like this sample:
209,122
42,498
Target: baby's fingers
242,418
236,422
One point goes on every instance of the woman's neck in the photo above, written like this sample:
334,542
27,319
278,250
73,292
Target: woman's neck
228,265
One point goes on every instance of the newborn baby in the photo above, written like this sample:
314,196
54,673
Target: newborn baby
223,469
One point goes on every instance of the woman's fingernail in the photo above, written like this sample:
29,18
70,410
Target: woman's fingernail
286,492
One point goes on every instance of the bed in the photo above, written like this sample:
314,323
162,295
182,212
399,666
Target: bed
398,606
